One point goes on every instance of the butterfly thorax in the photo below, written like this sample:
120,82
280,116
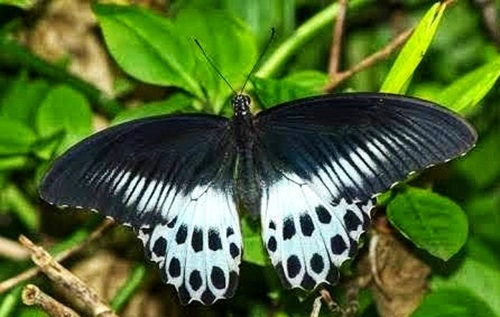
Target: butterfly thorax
247,186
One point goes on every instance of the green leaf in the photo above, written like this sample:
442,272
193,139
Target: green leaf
15,137
414,50
146,46
20,205
22,99
234,58
15,162
175,103
64,109
481,167
453,302
465,93
262,15
484,217
272,91
23,4
477,277
434,223
252,244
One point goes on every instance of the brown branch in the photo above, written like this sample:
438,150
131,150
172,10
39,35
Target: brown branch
316,307
32,295
12,250
30,273
371,60
66,280
333,69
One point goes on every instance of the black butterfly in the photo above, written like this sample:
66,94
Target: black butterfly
309,168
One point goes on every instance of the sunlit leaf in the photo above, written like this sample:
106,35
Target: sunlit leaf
432,222
414,50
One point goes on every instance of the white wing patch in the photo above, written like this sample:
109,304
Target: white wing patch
199,247
308,238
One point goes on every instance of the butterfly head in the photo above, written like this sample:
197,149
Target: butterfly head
241,105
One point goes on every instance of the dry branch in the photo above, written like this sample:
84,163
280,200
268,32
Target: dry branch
66,280
32,295
30,273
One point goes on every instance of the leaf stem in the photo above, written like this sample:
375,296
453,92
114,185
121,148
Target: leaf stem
301,36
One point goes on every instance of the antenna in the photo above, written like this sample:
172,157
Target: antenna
264,51
212,63
214,66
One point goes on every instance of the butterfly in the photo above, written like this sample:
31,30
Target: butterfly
308,168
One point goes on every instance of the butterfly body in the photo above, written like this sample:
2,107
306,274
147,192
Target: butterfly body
308,168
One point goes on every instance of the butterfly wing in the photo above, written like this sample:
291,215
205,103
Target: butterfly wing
325,158
170,178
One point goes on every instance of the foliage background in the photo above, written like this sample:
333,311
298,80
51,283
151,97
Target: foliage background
68,68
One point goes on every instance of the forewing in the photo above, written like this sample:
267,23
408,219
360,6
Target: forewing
355,146
321,161
170,178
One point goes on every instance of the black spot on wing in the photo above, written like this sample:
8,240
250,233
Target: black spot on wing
323,215
160,247
317,264
207,297
172,223
195,280
337,244
217,277
197,240
214,242
229,232
234,250
351,220
272,244
293,266
307,282
181,235
306,225
272,225
288,229
174,268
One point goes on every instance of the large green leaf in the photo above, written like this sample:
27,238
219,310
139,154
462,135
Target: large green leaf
452,303
234,58
146,46
299,85
22,98
433,222
480,278
175,103
466,92
414,50
15,137
64,110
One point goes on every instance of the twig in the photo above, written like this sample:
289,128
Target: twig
327,298
65,279
382,54
333,69
32,295
490,19
12,250
30,273
316,307
300,37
